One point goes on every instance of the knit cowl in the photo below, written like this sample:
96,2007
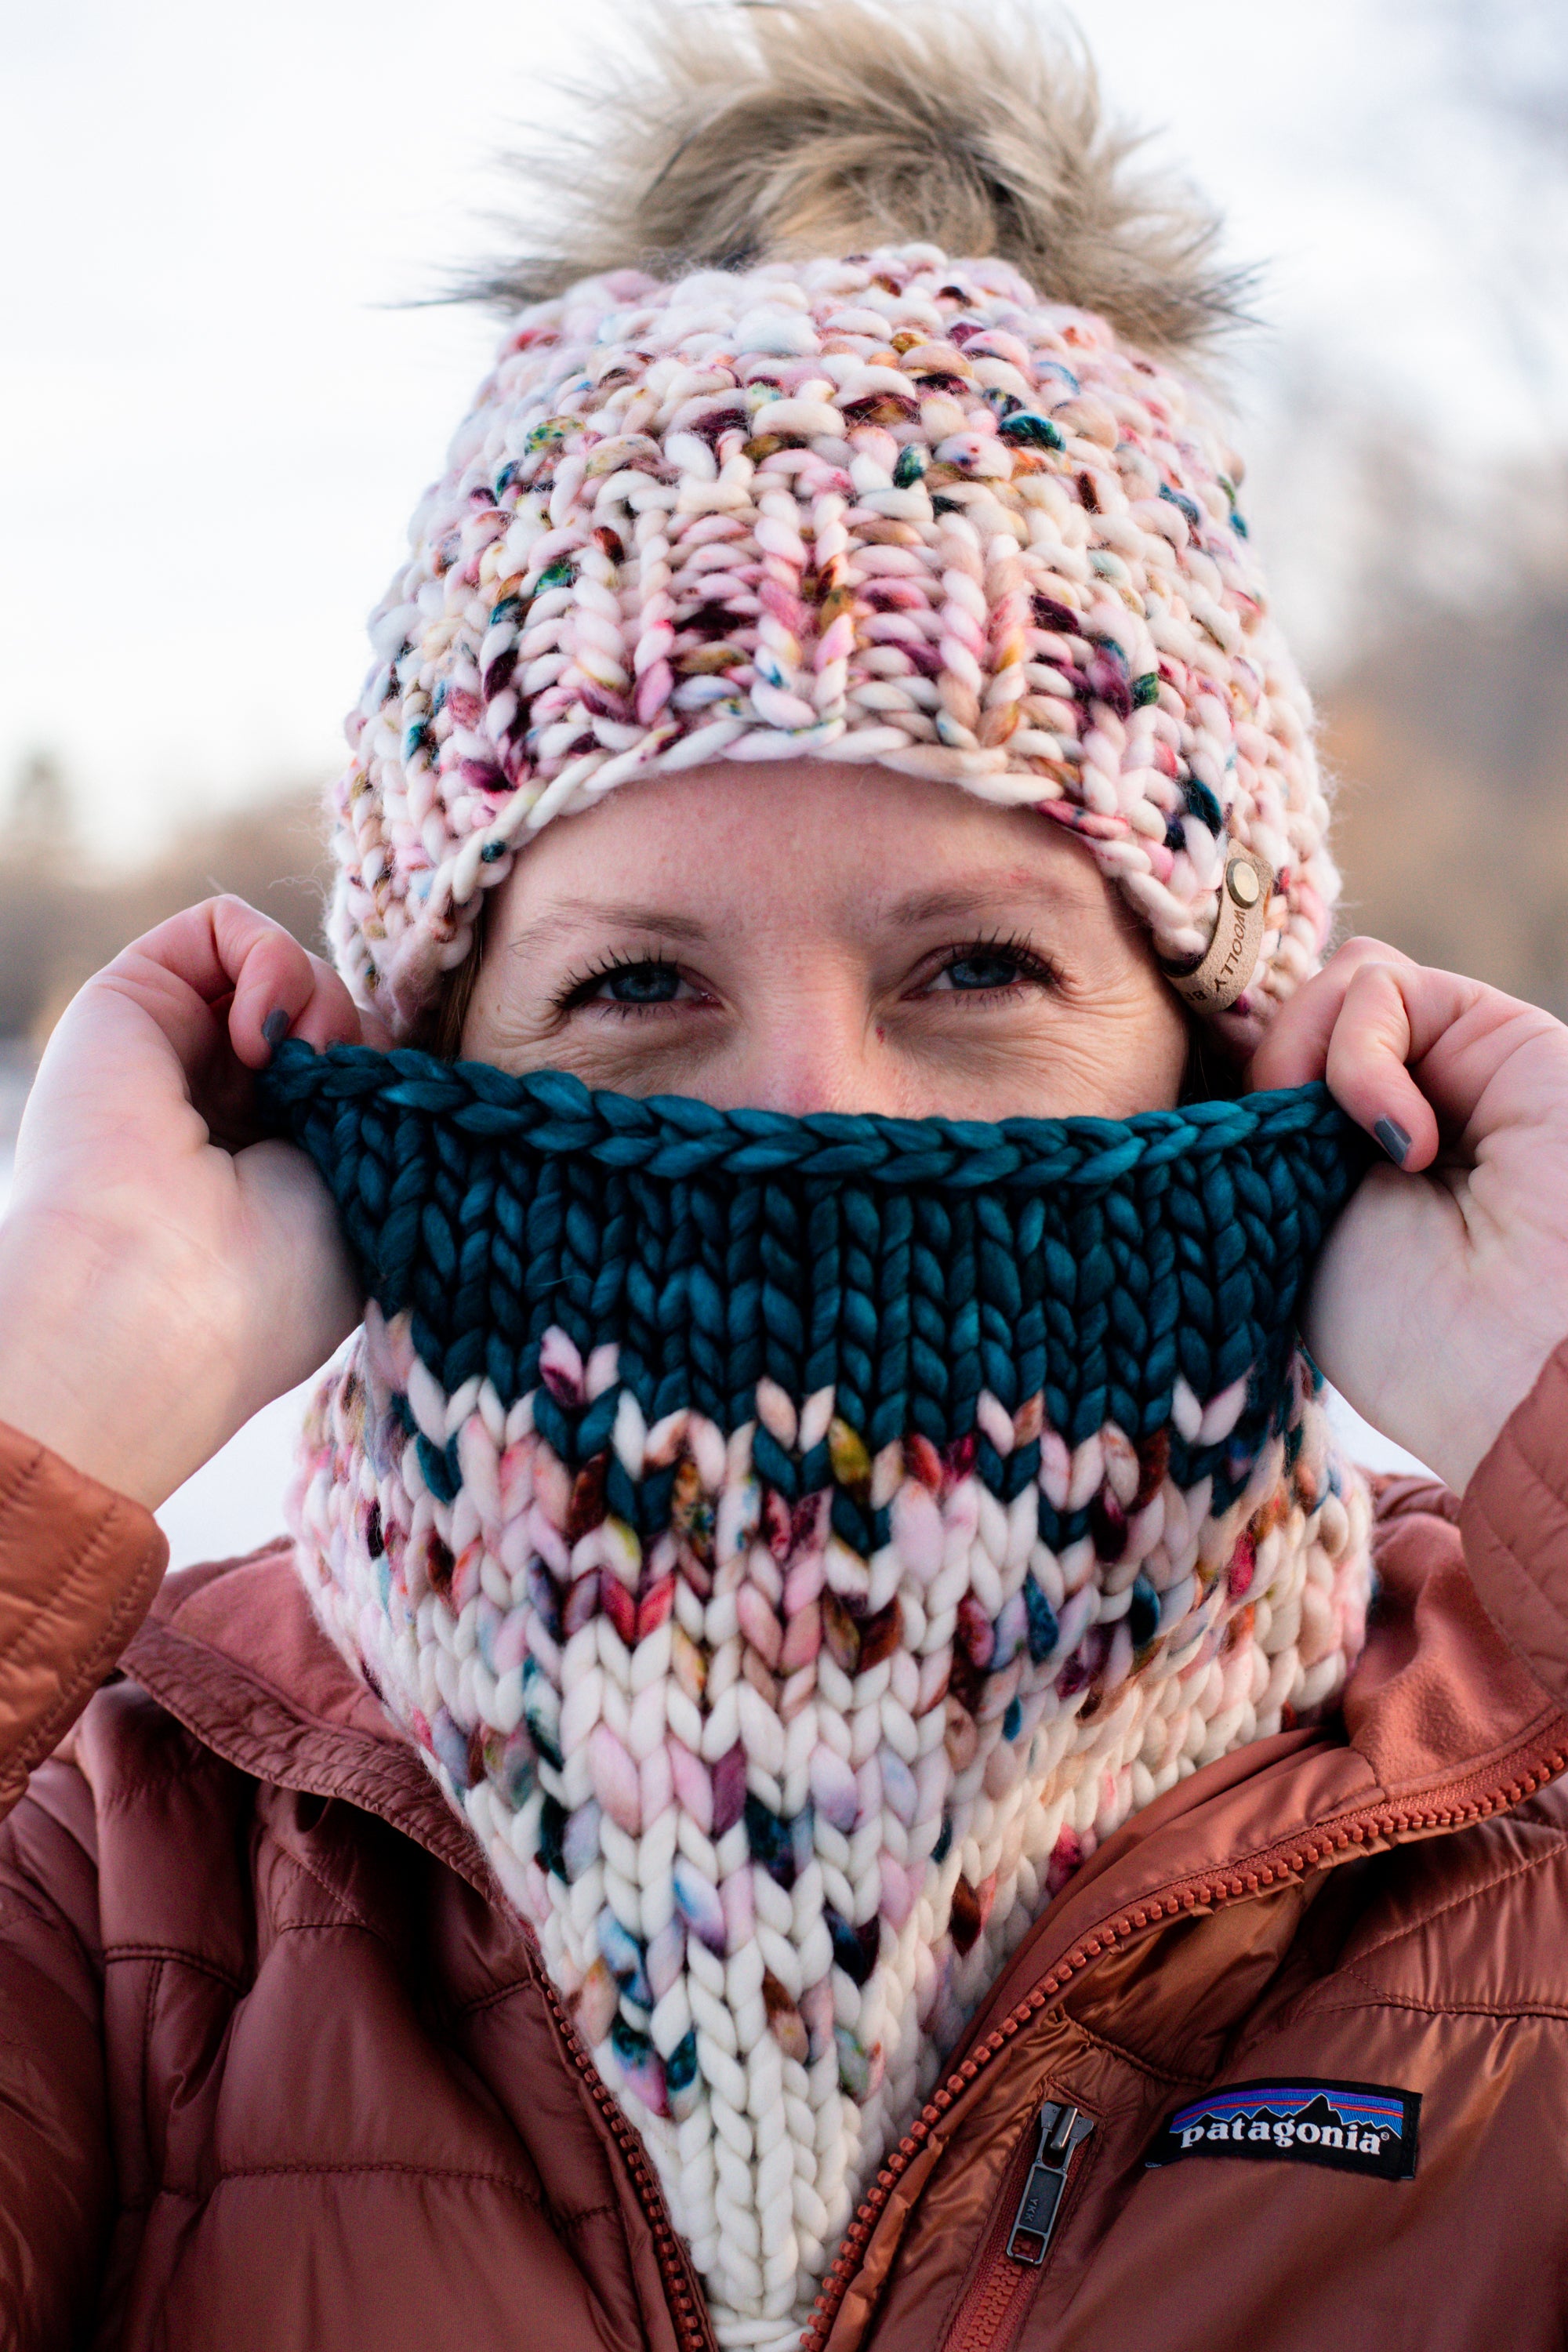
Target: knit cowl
795,1544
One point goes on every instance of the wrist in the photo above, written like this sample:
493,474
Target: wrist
90,1365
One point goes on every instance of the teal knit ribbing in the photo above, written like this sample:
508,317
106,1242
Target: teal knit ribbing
909,1264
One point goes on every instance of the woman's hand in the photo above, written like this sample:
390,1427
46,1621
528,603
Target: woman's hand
163,1271
1443,1287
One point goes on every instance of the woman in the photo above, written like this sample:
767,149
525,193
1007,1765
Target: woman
819,1759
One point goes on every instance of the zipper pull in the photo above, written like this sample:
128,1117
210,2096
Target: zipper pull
1062,2129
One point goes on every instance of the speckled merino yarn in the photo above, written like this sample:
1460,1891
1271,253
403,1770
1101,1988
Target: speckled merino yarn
795,1545
894,510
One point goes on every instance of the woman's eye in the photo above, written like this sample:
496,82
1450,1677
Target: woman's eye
980,967
641,983
630,984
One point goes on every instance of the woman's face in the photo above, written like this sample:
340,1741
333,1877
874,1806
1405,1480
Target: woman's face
803,936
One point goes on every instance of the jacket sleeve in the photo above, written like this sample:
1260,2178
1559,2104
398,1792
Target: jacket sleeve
79,1568
1514,1523
57,2168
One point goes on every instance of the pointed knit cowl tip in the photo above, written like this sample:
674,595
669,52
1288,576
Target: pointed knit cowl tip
795,1544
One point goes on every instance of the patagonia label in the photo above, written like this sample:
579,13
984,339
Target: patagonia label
1348,2126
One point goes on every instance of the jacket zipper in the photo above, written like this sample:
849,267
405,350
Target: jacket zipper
1062,2131
1020,2237
1357,1829
682,2293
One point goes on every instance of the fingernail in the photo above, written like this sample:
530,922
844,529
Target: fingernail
1393,1139
275,1028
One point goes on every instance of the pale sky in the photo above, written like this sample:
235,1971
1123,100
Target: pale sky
213,427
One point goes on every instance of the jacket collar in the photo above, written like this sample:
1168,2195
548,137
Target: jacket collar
232,1652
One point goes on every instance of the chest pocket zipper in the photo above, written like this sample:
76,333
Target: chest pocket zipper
1062,2129
1018,2245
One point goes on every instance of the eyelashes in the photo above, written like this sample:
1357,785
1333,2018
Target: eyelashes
1006,957
990,965
640,983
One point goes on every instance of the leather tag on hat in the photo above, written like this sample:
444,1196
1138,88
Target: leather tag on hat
1345,2126
1232,959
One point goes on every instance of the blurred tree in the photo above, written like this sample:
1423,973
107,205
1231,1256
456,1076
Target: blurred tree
39,821
57,926
1504,69
1513,56
1419,544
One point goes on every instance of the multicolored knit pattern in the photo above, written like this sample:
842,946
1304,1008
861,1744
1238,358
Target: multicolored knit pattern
795,1544
892,510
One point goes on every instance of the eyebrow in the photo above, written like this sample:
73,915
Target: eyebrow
968,898
624,914
953,899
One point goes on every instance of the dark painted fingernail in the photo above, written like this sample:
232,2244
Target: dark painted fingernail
275,1028
1393,1139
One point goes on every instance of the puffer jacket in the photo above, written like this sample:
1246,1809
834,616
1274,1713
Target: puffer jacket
278,2067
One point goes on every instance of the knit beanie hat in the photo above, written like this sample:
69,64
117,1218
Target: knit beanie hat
857,414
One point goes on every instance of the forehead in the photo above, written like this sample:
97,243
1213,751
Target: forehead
806,835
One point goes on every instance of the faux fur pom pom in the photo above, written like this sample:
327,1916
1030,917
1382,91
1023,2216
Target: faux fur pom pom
736,133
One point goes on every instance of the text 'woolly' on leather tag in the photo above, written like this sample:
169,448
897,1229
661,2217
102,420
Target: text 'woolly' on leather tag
1348,2126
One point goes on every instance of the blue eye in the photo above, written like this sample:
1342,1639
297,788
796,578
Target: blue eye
642,983
982,968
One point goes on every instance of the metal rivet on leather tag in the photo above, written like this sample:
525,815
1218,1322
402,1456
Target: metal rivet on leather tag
1241,880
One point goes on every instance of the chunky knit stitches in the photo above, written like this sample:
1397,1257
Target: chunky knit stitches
795,1544
890,510
915,1267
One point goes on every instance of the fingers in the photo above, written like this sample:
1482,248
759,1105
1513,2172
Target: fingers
1409,1052
1296,1048
1365,1064
191,1011
1351,1025
224,952
279,990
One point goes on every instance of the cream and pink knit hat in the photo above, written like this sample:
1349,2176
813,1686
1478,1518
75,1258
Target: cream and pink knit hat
889,507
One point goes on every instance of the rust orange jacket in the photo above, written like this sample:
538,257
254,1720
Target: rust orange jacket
278,2068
